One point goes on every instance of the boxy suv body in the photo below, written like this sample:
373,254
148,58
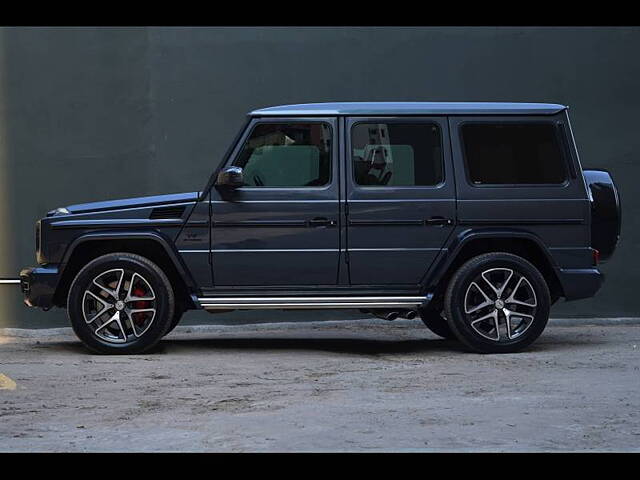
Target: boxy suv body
475,216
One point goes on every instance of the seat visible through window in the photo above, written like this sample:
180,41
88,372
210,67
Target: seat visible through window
397,154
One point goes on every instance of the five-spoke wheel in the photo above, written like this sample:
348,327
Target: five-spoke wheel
497,302
120,303
500,303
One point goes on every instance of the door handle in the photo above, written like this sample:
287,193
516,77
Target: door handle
438,221
321,222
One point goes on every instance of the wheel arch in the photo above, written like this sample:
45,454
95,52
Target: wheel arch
152,245
471,243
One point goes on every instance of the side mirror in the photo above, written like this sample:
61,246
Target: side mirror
230,177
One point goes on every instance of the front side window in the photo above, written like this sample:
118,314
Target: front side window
513,154
287,155
397,154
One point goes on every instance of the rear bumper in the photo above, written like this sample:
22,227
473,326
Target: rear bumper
38,285
580,283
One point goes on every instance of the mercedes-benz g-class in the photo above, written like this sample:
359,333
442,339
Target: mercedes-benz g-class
476,217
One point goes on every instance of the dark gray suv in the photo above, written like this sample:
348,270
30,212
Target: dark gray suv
476,217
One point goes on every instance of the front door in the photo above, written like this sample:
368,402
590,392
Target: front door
281,228
400,198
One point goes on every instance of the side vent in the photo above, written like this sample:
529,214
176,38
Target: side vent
166,212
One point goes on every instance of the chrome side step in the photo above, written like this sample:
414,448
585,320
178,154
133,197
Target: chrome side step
258,303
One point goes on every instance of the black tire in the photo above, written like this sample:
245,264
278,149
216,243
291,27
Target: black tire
434,321
532,324
130,264
177,316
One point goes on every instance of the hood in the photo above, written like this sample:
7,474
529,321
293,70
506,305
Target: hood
135,202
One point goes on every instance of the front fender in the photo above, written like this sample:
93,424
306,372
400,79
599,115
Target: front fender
158,237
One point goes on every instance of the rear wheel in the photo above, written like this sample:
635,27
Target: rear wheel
120,303
497,303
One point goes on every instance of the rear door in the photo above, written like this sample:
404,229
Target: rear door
400,197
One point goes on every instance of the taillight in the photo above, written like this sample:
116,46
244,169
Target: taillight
596,256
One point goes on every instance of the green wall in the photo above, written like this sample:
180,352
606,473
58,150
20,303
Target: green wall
98,113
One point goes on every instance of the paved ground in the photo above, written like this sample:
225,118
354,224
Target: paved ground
354,386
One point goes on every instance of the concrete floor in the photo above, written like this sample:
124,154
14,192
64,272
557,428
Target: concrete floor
333,386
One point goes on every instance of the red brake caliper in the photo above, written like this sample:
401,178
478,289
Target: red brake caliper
140,316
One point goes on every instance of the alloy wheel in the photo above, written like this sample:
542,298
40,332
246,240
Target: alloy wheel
500,304
119,305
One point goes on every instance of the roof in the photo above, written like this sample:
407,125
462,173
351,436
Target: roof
410,108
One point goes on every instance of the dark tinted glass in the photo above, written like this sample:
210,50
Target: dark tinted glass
513,154
287,155
396,154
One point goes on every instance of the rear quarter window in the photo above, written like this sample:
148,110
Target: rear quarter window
513,154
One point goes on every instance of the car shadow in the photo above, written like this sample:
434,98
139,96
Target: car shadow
358,346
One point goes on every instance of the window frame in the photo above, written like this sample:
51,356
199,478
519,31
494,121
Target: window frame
560,144
396,120
285,120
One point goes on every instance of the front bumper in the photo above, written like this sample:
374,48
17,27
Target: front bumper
38,284
580,283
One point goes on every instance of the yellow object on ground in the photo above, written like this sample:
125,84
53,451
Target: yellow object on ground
6,383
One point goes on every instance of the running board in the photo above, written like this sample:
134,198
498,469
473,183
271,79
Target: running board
259,303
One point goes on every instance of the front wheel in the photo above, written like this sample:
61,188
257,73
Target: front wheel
120,303
497,303
177,316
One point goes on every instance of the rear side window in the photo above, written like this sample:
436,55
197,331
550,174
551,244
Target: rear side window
397,154
513,154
